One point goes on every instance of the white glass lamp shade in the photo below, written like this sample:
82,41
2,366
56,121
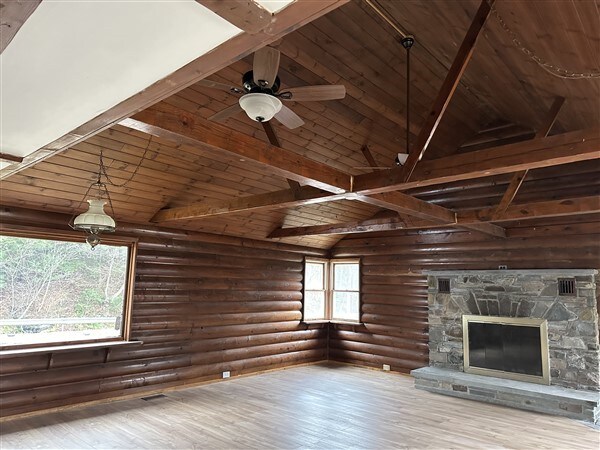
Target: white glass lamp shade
260,107
94,220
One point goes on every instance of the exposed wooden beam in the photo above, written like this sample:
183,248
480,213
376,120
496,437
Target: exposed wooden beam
182,127
467,219
519,177
366,151
10,158
307,195
553,208
285,21
462,58
363,226
247,15
564,148
13,14
405,204
273,140
485,228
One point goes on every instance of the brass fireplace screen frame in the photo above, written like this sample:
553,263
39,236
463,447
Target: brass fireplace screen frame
542,324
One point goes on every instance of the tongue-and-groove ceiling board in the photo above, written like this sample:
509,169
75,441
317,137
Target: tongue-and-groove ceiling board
354,47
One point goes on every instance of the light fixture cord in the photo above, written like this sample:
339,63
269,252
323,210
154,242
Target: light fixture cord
135,171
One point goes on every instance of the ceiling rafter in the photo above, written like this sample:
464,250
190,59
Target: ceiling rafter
555,208
285,21
169,122
582,145
306,195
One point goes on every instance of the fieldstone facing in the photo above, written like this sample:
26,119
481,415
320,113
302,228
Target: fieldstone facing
572,320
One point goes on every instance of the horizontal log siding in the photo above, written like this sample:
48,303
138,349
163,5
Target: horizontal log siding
202,304
394,291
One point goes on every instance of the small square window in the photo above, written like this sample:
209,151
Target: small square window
331,290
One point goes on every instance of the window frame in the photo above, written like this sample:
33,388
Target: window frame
329,283
325,290
67,236
332,264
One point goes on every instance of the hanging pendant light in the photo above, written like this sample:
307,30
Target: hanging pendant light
95,221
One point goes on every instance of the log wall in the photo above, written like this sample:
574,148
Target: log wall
203,304
394,291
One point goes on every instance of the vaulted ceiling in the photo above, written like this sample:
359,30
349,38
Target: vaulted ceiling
503,96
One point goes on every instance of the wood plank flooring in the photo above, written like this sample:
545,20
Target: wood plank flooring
324,406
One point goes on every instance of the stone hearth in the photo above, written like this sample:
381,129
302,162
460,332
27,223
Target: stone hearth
572,319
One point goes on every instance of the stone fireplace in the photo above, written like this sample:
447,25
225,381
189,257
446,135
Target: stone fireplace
563,302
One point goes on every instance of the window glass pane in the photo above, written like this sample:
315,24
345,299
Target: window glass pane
345,306
315,278
57,291
314,305
346,277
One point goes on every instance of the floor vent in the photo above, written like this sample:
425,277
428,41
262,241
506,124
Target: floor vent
566,286
153,397
444,285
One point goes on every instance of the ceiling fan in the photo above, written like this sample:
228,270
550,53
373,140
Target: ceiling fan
261,95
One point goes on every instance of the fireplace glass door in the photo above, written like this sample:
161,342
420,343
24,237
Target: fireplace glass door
506,347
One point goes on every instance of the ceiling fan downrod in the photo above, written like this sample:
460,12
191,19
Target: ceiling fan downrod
407,42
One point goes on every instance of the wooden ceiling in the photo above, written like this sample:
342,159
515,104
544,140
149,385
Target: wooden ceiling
503,94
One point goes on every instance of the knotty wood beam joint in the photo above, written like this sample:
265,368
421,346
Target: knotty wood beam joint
517,180
247,15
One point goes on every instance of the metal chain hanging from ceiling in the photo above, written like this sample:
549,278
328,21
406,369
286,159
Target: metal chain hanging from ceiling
552,69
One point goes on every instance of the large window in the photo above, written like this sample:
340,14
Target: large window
332,290
61,292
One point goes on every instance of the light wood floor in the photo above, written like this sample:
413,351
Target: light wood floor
319,407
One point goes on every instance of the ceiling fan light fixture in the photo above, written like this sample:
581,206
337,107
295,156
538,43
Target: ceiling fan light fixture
260,107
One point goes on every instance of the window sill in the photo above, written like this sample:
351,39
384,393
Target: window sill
65,348
336,322
345,322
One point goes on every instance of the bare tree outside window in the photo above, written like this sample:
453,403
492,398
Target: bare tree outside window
57,291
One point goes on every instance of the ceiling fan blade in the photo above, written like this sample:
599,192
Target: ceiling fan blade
227,112
316,93
220,86
265,66
289,118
